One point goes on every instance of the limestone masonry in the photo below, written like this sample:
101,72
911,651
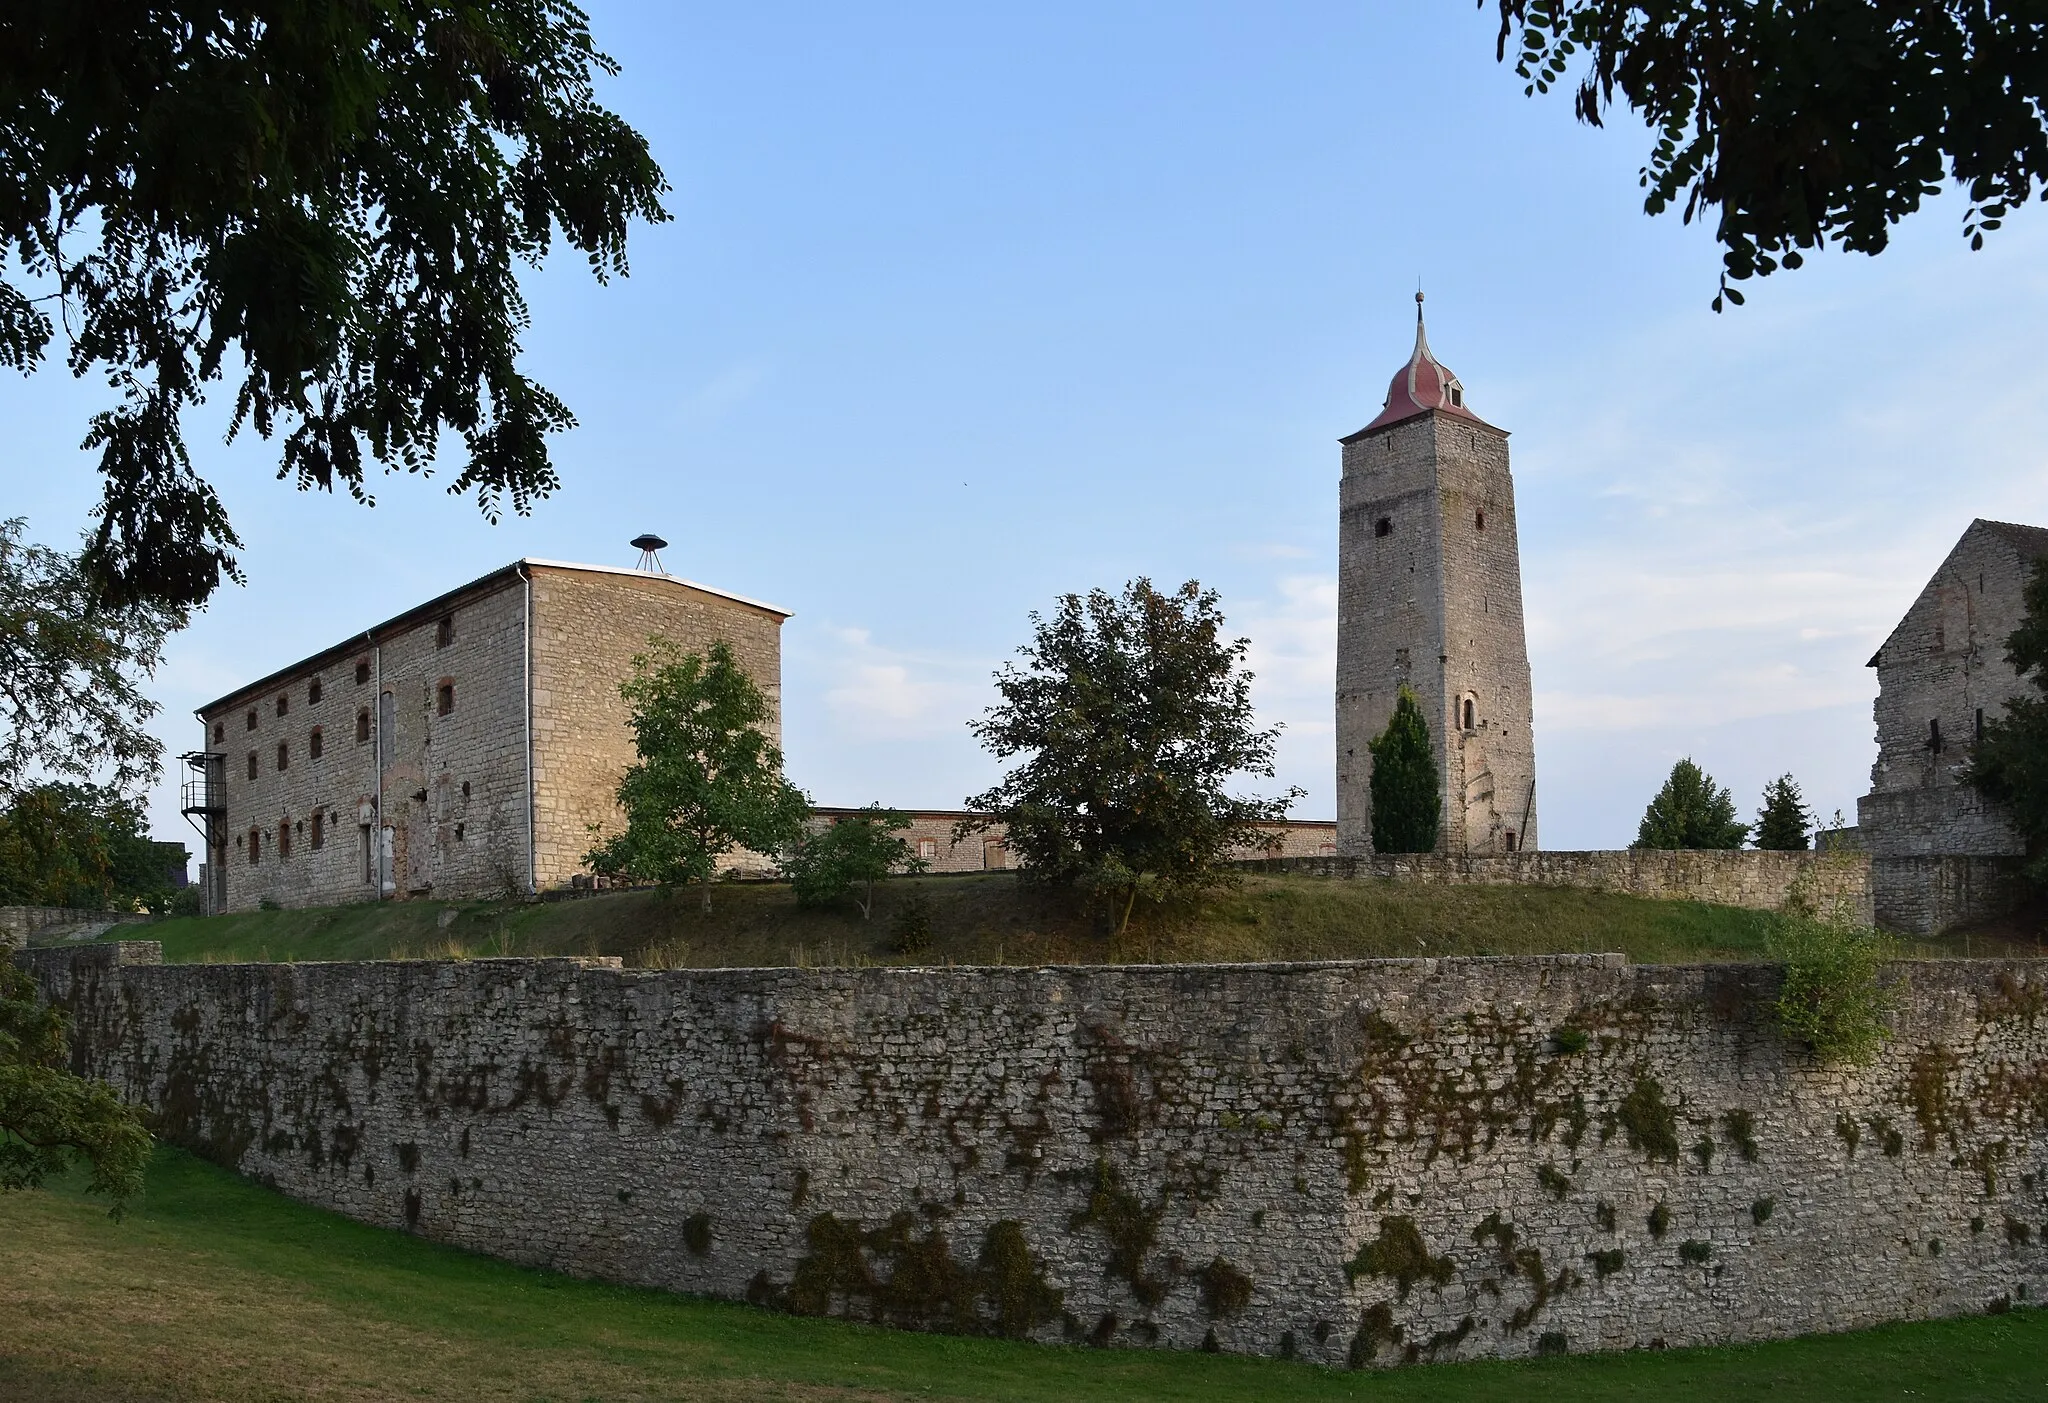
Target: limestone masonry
461,749
1942,852
1348,1163
1429,597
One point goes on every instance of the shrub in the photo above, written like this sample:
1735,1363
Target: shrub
1832,999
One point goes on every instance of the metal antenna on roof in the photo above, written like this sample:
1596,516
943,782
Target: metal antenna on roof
649,546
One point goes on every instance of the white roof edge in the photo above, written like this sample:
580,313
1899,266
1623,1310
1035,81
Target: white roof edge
650,575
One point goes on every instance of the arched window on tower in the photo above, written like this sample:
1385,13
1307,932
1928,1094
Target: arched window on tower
1479,519
1383,527
1469,713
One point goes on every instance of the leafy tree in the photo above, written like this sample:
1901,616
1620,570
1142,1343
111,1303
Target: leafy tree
1690,811
326,203
1832,999
1782,823
708,780
848,857
1132,713
79,845
50,1117
1807,123
71,702
1407,795
2010,764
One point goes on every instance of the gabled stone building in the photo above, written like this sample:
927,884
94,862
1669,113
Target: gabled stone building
461,749
1430,598
1941,852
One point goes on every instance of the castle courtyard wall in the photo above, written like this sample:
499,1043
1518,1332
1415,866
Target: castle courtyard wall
1828,883
1362,1163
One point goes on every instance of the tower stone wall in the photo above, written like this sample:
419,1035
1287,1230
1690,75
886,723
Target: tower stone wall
1430,598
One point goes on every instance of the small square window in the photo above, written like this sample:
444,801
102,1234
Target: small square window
1383,527
444,632
927,848
362,672
313,692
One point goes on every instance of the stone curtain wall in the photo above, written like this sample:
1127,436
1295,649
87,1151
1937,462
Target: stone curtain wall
1362,1163
20,924
1762,881
1927,895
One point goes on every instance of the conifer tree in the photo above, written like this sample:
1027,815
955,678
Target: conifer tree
1407,799
1690,811
1783,821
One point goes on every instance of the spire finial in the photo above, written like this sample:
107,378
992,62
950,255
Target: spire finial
1418,306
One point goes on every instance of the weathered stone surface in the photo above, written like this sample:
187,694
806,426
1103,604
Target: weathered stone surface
1829,883
1369,1162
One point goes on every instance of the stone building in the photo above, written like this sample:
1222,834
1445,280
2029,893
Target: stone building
1430,598
932,837
1941,852
461,749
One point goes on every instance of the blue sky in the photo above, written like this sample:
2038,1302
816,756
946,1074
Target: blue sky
963,308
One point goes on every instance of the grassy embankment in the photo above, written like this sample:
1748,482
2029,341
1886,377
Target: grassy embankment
214,1288
992,920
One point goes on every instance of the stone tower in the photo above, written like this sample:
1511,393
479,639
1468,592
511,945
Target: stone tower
1429,595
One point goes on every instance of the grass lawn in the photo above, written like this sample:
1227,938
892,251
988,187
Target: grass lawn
991,919
214,1288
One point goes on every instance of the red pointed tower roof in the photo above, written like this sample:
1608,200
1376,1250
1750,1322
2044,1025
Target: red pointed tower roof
1425,383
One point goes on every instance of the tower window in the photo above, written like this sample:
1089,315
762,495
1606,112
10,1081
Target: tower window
1383,527
319,829
220,732
284,840
284,756
1479,519
465,783
1458,396
313,692
252,764
1980,726
362,671
255,845
444,698
315,743
1510,837
1934,735
1471,713
458,832
444,632
363,726
252,718
284,703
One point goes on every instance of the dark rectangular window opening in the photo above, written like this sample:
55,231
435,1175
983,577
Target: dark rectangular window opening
255,844
1934,735
319,829
444,698
444,632
458,832
284,703
1510,835
363,848
284,840
313,692
363,726
220,732
314,744
252,764
1980,726
252,718
284,756
1383,527
362,673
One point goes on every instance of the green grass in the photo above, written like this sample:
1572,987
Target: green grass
992,919
214,1288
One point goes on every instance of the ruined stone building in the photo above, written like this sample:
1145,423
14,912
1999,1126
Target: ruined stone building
461,749
1941,853
935,839
1430,598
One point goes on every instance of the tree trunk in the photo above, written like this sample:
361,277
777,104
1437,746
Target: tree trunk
707,896
1129,902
